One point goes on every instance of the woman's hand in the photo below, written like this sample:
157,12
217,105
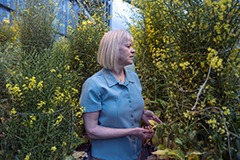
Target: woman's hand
149,115
143,133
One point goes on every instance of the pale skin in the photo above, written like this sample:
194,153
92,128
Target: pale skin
95,131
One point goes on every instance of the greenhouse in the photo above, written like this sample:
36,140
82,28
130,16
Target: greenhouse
170,90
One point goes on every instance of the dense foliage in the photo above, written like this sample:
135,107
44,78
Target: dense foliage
40,84
188,61
84,41
36,23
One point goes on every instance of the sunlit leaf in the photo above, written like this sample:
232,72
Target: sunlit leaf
170,153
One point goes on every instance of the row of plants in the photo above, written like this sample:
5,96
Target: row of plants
188,59
41,79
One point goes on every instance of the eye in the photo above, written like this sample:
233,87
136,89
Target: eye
129,46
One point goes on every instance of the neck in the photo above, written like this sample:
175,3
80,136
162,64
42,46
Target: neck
119,74
118,70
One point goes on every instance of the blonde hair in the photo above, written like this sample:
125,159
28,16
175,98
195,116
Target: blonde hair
109,47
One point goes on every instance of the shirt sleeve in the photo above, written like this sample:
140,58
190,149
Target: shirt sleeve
90,96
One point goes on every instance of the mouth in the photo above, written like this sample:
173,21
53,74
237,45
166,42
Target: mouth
131,57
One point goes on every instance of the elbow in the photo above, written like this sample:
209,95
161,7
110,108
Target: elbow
92,134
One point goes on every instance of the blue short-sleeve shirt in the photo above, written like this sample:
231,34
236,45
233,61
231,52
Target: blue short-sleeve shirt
120,105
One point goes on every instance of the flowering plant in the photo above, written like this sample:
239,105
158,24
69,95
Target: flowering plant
188,59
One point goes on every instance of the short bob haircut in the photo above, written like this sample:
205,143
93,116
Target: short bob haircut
109,47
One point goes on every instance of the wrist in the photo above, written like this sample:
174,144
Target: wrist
148,113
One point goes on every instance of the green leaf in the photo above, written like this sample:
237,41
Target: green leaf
168,153
178,141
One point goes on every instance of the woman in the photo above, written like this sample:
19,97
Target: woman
113,102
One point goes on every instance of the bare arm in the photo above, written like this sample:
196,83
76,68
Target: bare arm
94,131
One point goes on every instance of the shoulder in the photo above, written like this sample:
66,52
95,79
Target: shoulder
132,76
94,80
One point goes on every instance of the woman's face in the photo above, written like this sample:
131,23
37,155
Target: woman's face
126,53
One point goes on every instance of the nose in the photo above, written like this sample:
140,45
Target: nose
133,50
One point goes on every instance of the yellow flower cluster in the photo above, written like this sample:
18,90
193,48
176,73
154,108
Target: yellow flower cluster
75,91
212,122
32,120
27,156
174,65
184,65
13,111
59,96
67,68
53,70
212,102
78,114
221,130
74,102
226,111
40,85
15,90
31,83
41,104
213,59
59,120
188,114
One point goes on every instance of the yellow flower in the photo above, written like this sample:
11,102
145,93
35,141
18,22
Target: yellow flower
25,88
40,85
184,65
27,156
212,122
50,111
59,119
59,96
54,148
186,114
78,114
77,58
212,102
75,91
226,111
53,70
174,65
32,119
226,27
221,130
59,76
13,111
217,28
213,59
41,104
32,83
14,90
68,68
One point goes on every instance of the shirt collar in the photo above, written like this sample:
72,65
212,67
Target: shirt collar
111,80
